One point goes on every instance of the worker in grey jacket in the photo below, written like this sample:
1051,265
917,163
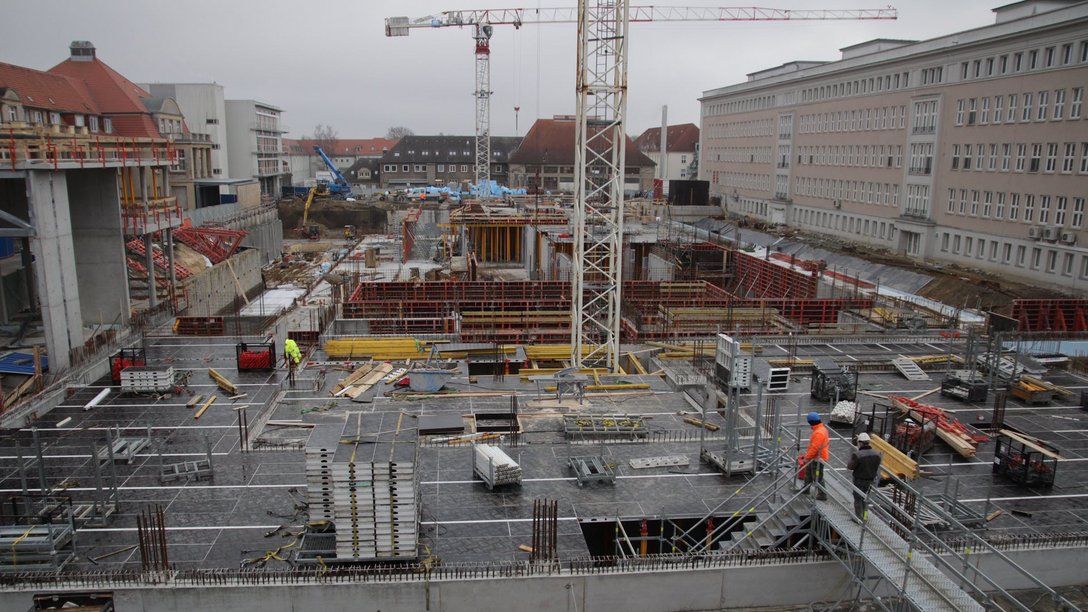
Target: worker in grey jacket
865,465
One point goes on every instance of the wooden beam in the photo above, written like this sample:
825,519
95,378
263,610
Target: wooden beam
222,382
894,462
207,404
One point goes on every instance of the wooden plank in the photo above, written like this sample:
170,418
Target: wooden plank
895,462
350,379
701,423
207,404
368,381
222,382
1034,443
194,400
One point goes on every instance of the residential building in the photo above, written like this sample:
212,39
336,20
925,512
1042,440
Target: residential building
204,108
192,155
681,142
429,160
344,153
255,144
545,159
969,148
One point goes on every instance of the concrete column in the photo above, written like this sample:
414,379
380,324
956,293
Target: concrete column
152,289
55,264
169,248
99,244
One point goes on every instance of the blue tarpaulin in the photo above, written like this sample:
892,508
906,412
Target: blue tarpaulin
21,363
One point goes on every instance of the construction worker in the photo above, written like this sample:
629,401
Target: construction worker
292,356
865,465
819,442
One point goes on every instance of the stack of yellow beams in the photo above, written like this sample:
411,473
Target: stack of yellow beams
381,349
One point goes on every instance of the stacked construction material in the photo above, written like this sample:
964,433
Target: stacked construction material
320,451
125,358
362,477
145,379
375,486
964,439
255,356
494,466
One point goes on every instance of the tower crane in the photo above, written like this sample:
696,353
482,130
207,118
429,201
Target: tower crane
601,89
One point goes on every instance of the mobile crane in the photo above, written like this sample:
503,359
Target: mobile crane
338,187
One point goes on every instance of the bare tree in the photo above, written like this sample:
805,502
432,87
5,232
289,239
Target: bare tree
326,137
398,131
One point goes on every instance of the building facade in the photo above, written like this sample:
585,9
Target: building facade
545,159
204,109
431,160
255,144
681,142
970,148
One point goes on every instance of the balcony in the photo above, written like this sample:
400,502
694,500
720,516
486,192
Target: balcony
277,128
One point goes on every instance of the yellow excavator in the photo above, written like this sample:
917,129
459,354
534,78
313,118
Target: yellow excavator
313,232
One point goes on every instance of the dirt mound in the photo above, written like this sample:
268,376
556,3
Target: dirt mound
333,215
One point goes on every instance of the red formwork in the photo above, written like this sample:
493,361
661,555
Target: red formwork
1061,315
760,278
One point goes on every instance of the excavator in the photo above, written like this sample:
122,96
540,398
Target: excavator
305,229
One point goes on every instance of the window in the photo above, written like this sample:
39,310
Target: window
963,202
998,111
1044,209
980,155
968,246
94,121
464,168
972,104
1059,104
974,203
1084,51
1043,99
404,168
1006,149
1011,117
951,205
107,125
959,111
1036,256
987,203
1006,253
1021,151
1026,115
1048,57
1014,207
1003,63
999,212
1017,61
1029,208
1051,157
1084,158
440,168
1033,60
955,157
993,158
418,168
1074,106
967,157
1036,155
1078,213
1059,212
1067,54
1068,158
1020,255
985,118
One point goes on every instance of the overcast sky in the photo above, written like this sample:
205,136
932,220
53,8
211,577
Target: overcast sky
329,62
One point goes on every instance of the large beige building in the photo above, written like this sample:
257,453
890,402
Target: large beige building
970,149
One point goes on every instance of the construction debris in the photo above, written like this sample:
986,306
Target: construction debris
222,382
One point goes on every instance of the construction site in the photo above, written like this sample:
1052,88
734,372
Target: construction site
568,401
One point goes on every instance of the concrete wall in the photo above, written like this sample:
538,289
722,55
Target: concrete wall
55,264
99,245
214,289
735,588
199,103
241,139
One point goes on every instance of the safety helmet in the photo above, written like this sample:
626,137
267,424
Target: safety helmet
863,438
813,417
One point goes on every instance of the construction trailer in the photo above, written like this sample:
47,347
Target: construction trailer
833,381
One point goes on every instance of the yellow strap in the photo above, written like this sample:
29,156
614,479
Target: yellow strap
16,543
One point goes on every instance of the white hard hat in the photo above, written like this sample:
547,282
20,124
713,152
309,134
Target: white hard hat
863,437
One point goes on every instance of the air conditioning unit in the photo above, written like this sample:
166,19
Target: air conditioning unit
1051,233
1035,232
1069,238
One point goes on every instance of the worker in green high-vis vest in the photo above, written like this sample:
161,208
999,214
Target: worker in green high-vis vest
292,356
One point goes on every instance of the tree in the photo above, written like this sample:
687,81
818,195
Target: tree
326,136
398,131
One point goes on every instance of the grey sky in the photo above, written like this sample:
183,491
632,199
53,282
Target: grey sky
330,62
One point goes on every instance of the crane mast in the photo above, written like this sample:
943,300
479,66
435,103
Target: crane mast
601,89
599,160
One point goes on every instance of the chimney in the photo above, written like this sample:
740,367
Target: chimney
82,51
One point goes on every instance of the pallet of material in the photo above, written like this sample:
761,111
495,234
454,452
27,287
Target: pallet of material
894,461
494,466
352,378
957,435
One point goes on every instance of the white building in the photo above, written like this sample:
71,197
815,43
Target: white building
682,142
205,112
255,143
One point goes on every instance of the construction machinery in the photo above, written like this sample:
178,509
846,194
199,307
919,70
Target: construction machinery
333,181
833,381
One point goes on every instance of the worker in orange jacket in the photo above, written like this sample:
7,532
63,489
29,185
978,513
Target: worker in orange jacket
819,443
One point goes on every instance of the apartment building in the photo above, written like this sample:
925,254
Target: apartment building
971,148
344,153
681,142
255,144
430,160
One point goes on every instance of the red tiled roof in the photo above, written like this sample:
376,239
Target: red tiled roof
115,96
344,146
551,141
681,139
43,90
